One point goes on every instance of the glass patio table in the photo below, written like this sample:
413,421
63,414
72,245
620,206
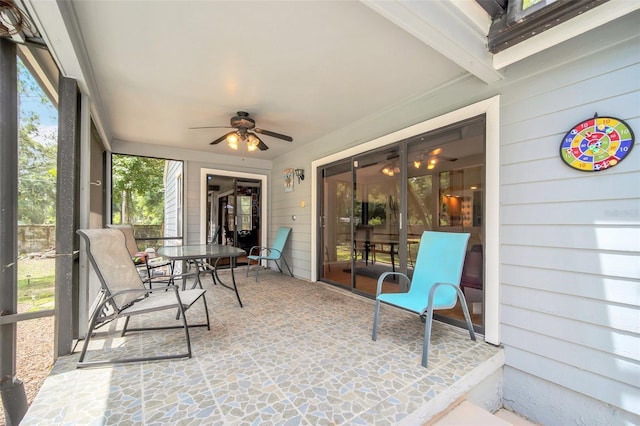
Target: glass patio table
198,252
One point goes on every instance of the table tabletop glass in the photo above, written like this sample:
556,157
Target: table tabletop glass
200,251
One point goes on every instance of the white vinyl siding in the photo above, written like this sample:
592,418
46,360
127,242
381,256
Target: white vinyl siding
570,240
171,203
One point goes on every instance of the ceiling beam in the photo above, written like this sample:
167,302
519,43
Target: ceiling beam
442,26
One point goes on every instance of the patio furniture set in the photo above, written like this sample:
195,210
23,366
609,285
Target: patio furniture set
435,283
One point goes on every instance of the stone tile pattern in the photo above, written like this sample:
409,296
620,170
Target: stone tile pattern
298,353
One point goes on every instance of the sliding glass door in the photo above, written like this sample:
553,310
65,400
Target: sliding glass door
375,207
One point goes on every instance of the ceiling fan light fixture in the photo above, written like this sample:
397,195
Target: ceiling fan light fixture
252,142
243,123
232,140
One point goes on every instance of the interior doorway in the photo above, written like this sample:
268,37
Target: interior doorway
233,209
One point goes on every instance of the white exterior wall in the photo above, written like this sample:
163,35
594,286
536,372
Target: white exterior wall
172,170
569,240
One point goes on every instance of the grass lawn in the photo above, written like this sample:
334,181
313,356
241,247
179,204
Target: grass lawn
36,279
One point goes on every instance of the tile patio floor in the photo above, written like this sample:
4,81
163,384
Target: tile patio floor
298,353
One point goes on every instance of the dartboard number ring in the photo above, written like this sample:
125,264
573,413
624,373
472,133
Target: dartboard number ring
597,144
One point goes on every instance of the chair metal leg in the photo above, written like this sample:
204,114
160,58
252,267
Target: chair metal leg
427,335
92,325
124,329
376,312
465,309
206,311
249,266
186,326
287,265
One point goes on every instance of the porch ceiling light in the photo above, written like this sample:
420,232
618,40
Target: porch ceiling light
233,140
252,142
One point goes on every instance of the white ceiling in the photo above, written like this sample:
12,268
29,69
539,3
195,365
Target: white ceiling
301,68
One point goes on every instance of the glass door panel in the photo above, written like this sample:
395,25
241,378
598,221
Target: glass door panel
335,223
247,210
445,177
376,219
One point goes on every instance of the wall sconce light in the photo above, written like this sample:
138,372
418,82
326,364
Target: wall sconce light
299,174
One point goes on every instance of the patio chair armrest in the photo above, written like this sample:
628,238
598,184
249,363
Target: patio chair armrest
385,275
165,288
259,249
144,292
432,291
130,290
276,250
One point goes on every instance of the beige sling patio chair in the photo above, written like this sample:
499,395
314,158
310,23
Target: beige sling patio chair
123,294
158,270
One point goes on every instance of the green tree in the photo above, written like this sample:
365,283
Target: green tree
138,189
419,201
37,155
36,176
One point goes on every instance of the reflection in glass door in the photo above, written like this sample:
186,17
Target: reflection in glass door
376,220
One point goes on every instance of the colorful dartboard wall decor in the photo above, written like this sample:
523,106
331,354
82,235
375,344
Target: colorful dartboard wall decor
597,144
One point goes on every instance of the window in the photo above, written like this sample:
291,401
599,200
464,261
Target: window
148,194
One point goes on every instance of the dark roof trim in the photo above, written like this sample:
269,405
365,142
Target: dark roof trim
514,27
493,7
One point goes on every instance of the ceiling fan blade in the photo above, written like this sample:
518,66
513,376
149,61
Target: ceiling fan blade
273,134
211,127
221,138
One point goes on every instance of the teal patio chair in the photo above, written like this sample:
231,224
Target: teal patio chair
275,253
434,285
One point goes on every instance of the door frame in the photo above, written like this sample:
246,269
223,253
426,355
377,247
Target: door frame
491,109
238,175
